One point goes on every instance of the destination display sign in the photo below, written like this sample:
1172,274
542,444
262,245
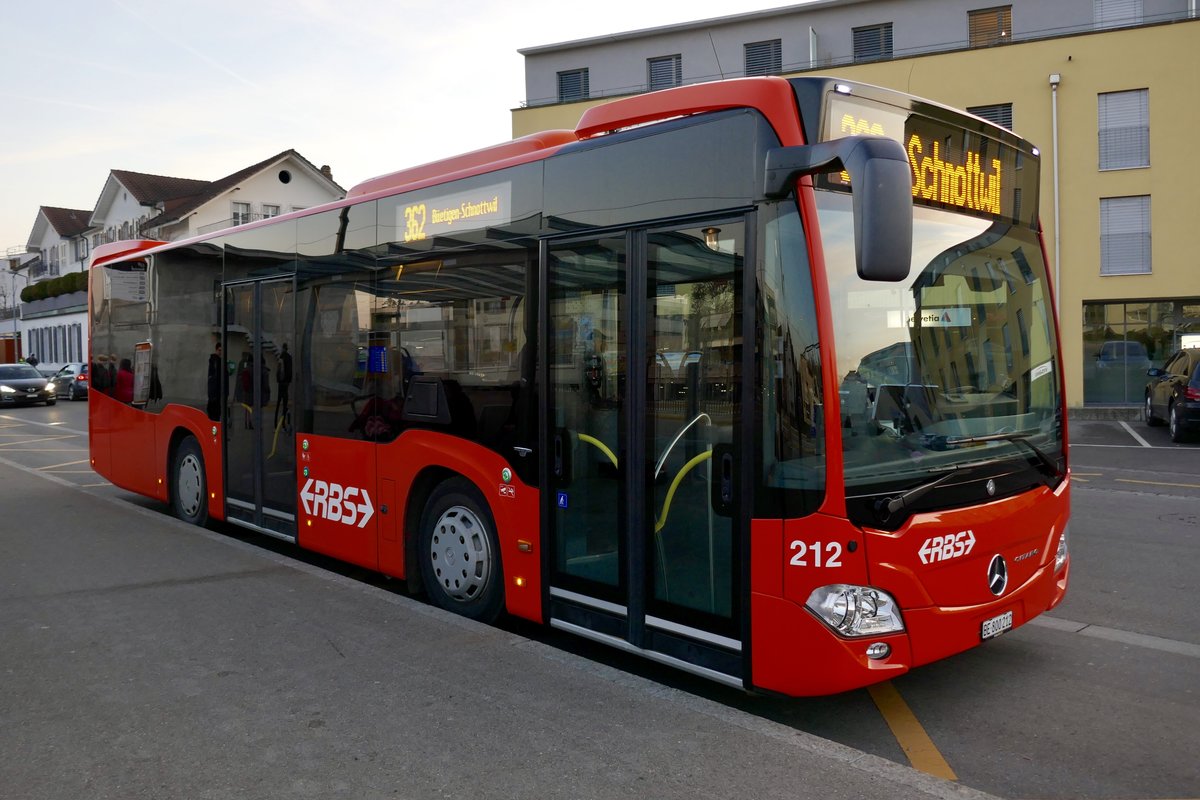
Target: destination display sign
423,217
952,167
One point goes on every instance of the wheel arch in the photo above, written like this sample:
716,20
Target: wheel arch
423,485
174,435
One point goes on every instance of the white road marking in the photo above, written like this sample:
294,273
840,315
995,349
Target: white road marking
1135,435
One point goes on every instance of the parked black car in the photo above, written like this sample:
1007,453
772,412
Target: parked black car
21,384
71,380
1173,394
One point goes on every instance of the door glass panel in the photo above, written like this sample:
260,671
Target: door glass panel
275,401
240,336
693,350
260,454
586,370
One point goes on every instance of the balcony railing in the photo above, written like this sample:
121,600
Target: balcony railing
241,219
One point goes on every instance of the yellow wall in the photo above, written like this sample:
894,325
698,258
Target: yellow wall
1163,58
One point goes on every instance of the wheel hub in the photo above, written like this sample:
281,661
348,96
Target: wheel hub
461,554
190,485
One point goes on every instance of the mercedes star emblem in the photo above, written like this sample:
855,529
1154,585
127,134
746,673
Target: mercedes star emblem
997,575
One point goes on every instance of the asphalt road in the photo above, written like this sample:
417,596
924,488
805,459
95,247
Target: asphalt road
1099,699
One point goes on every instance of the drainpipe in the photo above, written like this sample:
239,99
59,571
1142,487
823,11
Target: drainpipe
1055,79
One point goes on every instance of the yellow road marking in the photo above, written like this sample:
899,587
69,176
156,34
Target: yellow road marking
913,740
67,464
40,439
1160,483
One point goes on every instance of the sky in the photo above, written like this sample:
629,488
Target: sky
202,89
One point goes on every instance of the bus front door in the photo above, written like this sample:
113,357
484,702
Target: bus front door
260,456
642,406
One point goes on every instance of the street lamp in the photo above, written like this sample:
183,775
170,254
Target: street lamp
14,265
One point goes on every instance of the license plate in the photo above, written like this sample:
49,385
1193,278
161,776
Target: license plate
996,625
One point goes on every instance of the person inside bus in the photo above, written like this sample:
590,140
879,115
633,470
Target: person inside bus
382,418
216,366
283,378
123,390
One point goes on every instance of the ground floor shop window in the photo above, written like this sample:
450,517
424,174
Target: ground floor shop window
1121,340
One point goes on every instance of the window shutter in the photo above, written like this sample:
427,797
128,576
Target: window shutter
573,85
764,58
1124,123
873,42
998,114
1114,13
989,26
1125,235
665,72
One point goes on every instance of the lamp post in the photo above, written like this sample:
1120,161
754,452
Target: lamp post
14,265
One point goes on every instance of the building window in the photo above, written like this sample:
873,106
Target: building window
1121,340
989,26
270,211
764,58
873,42
241,213
573,85
998,114
1115,13
664,72
1125,235
1124,129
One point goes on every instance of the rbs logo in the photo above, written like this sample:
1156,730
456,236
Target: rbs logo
336,503
944,548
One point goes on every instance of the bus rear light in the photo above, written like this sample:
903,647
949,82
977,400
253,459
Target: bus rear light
855,610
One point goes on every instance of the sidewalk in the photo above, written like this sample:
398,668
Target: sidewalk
140,657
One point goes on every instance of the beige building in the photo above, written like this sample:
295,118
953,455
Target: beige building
1119,195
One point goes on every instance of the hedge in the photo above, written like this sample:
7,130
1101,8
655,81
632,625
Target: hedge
63,284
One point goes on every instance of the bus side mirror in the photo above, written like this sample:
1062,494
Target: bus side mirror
882,195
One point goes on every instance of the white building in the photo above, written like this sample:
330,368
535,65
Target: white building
135,205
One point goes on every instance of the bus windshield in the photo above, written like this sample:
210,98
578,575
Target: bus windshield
964,348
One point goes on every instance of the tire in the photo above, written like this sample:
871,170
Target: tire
1177,429
189,486
459,553
71,392
1148,414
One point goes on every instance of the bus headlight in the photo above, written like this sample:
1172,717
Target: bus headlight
855,610
1060,557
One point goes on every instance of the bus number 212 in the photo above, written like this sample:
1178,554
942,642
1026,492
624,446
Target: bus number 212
831,550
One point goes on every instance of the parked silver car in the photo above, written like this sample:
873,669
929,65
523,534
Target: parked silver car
71,381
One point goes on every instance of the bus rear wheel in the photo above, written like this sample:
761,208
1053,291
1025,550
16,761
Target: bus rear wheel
459,553
189,487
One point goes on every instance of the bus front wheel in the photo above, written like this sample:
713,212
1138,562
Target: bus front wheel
189,487
459,552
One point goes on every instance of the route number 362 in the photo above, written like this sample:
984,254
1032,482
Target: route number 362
822,555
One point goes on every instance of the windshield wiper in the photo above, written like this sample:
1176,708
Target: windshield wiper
885,507
1015,437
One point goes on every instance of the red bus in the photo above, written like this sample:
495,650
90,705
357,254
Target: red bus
758,378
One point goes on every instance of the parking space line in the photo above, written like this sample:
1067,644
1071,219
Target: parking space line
66,464
1135,434
922,753
39,440
1160,483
